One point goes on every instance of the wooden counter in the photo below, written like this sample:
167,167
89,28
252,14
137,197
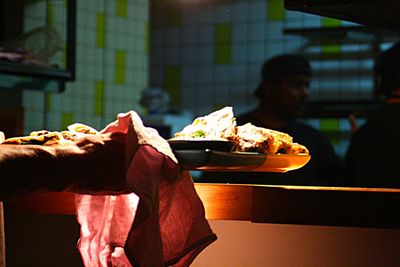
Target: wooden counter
358,207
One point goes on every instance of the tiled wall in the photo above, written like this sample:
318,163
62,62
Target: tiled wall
111,64
208,54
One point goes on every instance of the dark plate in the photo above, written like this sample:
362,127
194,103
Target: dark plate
217,145
209,160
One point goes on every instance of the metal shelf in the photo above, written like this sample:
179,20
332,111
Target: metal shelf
378,13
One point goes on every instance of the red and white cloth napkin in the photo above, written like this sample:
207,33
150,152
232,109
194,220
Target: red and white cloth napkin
161,223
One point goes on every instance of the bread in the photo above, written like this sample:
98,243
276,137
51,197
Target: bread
252,138
218,125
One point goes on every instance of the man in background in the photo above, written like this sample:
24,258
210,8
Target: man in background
282,94
373,155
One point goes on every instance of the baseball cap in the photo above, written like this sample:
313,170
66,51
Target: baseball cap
282,66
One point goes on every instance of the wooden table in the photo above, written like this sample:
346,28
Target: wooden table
329,206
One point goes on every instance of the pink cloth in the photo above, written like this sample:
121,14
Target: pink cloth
161,223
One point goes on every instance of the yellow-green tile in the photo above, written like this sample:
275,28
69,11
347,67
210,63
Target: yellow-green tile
223,43
49,13
330,49
47,101
223,33
66,119
120,66
223,54
100,30
98,97
275,10
329,124
146,38
121,6
172,81
329,22
331,127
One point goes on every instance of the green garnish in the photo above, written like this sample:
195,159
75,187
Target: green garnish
199,133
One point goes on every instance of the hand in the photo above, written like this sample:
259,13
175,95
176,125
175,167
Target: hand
353,123
94,164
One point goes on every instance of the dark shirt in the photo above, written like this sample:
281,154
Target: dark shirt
324,168
373,157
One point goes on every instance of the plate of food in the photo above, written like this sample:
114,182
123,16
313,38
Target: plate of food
248,147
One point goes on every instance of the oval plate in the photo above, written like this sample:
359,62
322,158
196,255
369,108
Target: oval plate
217,145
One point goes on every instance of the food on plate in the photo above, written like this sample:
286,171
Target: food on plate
250,138
50,138
221,125
218,125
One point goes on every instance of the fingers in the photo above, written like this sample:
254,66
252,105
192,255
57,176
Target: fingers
353,123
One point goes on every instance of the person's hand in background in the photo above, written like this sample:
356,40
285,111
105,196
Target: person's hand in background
353,123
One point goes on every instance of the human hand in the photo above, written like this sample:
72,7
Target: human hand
353,123
101,161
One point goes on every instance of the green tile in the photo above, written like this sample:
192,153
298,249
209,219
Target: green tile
223,33
66,119
275,10
222,54
329,124
223,43
146,38
49,13
330,49
100,30
121,6
120,66
47,101
172,80
329,22
331,127
98,97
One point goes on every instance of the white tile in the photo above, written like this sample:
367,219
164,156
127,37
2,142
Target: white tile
239,33
171,36
205,34
256,31
189,55
273,29
204,75
257,11
240,53
189,35
222,13
221,74
172,55
205,54
238,72
256,52
188,75
205,14
239,11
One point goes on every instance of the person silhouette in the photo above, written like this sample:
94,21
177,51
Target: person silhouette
282,95
373,152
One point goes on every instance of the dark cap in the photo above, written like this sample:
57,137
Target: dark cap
285,65
282,66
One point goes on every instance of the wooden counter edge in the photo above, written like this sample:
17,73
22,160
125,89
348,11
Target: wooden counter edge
357,207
